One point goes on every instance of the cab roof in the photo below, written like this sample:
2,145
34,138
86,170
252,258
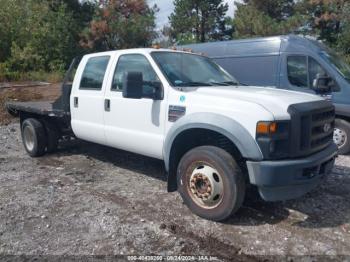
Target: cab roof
136,50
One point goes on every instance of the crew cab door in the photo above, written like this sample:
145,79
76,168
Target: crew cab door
135,125
87,98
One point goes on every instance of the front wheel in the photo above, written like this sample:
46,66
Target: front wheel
341,136
211,183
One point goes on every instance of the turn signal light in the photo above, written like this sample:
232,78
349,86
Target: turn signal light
265,128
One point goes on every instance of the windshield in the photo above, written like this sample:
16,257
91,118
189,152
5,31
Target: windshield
342,67
182,69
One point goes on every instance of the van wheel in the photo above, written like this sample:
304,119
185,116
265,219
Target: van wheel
52,137
211,183
341,136
34,137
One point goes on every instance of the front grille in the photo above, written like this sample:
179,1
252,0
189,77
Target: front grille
312,127
320,136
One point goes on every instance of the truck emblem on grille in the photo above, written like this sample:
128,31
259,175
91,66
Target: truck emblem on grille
327,127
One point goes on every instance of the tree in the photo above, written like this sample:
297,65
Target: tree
329,21
11,20
266,18
121,24
47,41
81,10
343,43
37,35
326,18
276,9
199,21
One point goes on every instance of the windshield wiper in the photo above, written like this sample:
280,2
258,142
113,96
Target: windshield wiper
226,83
184,84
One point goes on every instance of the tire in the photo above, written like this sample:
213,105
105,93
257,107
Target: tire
209,170
34,137
52,137
342,136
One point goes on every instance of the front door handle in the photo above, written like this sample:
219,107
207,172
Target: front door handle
76,102
107,105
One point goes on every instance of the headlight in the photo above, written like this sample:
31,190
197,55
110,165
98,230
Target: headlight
273,139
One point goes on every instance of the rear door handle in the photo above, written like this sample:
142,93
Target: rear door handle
76,102
107,105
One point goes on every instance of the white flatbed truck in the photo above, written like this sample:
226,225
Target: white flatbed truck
214,135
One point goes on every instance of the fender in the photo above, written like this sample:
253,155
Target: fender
342,110
228,127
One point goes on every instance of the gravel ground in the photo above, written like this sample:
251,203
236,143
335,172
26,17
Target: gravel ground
92,200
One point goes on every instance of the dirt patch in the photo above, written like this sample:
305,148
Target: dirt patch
24,93
88,199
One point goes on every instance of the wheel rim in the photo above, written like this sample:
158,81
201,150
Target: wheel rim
28,136
340,137
206,186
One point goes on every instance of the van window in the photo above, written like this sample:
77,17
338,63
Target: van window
297,71
134,63
94,73
314,69
338,62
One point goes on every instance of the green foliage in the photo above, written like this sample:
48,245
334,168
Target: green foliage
40,35
8,75
327,20
199,21
266,18
39,38
278,10
120,24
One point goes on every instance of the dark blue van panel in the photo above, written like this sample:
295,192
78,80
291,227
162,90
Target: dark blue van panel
265,69
250,61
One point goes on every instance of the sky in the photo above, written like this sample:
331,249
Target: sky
166,7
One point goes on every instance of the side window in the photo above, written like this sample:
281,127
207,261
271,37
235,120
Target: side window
314,69
134,63
94,73
297,71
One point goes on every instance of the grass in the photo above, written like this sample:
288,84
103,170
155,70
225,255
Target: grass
51,77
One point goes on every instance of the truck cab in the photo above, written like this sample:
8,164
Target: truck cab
215,136
289,62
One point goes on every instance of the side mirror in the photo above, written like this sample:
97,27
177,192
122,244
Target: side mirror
322,83
133,85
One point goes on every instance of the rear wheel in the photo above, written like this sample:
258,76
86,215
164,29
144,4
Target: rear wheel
34,137
211,183
341,136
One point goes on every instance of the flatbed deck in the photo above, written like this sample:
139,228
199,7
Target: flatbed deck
44,108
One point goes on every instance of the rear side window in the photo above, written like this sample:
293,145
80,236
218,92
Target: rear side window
94,73
297,71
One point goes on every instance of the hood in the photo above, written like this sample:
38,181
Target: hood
273,100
